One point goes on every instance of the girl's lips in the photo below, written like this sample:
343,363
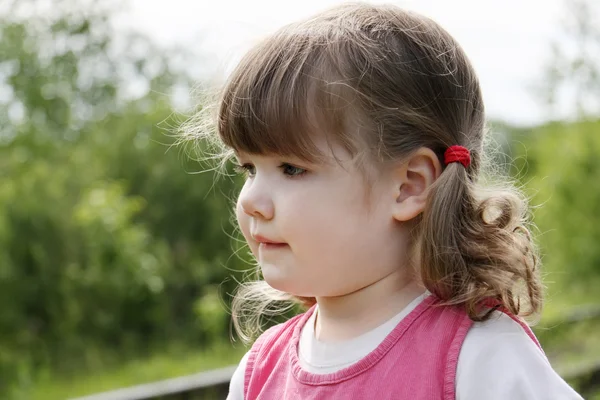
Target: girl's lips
271,246
263,240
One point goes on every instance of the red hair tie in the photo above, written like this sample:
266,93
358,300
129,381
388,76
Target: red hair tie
457,154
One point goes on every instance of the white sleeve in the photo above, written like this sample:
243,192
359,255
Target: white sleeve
498,360
236,386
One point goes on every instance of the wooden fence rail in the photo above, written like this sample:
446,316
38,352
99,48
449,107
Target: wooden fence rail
204,385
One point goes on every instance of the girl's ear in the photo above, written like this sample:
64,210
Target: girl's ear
413,178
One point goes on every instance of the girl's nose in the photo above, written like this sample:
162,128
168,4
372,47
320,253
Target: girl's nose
256,201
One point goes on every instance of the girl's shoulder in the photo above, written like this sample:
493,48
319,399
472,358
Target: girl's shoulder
501,359
501,333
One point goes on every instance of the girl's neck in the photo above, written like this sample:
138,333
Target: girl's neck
351,315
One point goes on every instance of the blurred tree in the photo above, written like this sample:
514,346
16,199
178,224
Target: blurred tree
572,72
107,245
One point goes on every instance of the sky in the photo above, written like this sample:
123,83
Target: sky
507,41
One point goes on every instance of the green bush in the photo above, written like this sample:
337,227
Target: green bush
109,247
558,162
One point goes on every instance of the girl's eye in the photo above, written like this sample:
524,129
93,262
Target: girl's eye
244,169
249,170
292,171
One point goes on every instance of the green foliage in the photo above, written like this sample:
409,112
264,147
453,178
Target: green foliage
108,247
561,170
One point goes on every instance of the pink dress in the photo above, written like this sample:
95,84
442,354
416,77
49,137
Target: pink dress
416,361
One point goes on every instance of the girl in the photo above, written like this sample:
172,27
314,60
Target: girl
361,134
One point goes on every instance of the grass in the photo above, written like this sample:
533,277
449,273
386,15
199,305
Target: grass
153,368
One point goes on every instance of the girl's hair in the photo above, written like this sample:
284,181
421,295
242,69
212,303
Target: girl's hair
384,82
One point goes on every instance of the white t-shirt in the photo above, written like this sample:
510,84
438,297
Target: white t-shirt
497,361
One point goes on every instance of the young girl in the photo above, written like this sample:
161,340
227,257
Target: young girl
361,133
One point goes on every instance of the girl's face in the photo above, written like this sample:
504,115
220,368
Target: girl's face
330,233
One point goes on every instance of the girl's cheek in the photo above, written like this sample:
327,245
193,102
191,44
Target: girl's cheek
243,221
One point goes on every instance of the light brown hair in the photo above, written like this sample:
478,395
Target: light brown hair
384,82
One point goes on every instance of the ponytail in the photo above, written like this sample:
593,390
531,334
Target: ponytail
476,248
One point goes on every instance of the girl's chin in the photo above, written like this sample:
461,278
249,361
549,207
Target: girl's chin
283,282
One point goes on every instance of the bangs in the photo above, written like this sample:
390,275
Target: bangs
283,95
